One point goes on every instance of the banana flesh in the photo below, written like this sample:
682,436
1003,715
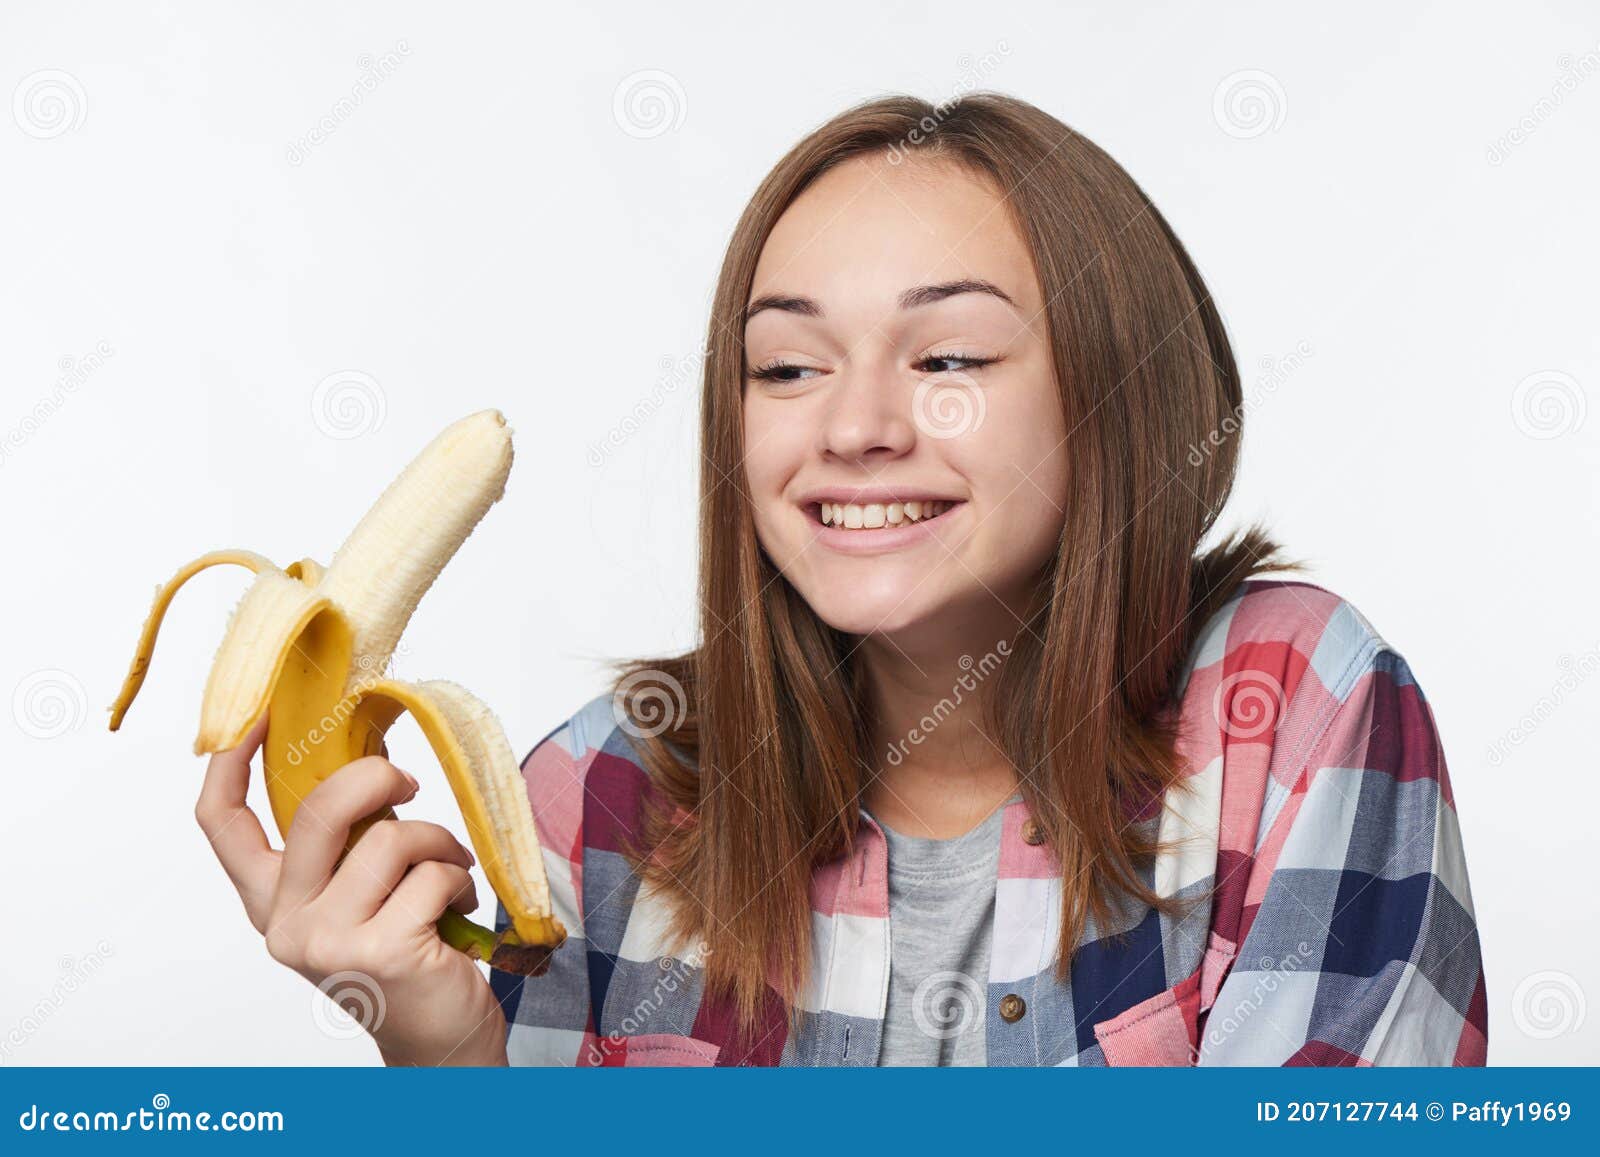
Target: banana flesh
311,645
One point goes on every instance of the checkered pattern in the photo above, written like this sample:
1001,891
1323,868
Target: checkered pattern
1328,917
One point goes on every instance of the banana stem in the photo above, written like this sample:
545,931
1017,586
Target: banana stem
502,950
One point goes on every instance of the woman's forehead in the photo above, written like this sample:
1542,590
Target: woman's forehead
869,228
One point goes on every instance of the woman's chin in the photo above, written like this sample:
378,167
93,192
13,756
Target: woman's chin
886,614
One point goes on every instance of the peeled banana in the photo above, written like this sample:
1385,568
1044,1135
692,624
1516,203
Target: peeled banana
311,646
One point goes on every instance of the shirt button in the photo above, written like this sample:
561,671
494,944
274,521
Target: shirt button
1012,1007
1031,835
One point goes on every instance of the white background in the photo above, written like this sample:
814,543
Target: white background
489,226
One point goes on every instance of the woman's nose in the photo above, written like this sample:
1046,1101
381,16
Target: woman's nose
868,414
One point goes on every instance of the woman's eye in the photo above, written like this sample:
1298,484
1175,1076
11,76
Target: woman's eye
948,363
781,372
789,372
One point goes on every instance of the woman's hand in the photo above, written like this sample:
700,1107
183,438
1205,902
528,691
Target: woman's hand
371,914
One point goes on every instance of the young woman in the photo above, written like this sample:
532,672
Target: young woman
982,759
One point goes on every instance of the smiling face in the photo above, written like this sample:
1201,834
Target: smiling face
904,439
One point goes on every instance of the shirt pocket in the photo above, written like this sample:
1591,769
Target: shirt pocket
1165,1028
655,1050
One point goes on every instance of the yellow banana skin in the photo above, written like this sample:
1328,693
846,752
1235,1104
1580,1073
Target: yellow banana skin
310,645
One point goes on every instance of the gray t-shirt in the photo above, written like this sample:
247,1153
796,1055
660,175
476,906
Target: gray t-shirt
941,926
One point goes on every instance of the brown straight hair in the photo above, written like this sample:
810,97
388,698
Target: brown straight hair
759,764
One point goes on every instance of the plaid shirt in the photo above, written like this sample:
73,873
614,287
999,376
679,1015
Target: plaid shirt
1332,922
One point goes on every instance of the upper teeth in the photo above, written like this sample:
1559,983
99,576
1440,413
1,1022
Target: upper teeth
875,514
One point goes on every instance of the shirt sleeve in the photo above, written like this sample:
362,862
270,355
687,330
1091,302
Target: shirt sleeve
547,1017
1359,943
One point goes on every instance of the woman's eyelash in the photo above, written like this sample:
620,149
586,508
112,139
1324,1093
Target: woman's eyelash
976,363
774,371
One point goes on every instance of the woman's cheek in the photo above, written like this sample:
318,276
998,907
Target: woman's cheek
767,469
1017,465
1033,429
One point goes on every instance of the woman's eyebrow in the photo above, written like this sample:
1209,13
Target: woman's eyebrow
910,299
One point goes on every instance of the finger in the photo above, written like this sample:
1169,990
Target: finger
321,825
422,896
235,834
380,860
466,902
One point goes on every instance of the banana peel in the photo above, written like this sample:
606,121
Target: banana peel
311,646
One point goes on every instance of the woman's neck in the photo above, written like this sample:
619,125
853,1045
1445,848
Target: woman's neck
938,773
